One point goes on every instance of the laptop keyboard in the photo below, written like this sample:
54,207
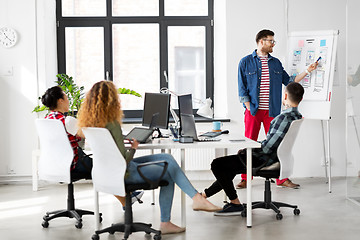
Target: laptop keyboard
207,139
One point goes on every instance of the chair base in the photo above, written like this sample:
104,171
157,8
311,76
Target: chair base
70,212
269,204
129,226
73,213
128,229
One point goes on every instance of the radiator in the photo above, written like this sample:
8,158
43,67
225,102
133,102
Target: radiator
195,159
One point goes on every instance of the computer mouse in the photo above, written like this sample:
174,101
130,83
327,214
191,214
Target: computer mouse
225,132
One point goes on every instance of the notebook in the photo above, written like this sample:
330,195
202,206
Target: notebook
189,129
211,134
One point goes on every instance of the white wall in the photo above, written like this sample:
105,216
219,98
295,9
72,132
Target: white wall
235,29
19,90
244,20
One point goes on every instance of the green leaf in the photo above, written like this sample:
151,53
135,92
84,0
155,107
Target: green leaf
128,91
76,94
39,108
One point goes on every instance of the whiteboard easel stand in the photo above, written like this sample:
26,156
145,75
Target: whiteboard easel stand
327,151
326,145
316,41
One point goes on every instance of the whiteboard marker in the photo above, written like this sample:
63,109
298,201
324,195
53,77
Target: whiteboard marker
318,59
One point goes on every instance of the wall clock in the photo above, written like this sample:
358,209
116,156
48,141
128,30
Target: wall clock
8,37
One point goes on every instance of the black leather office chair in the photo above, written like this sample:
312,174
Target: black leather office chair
108,161
54,166
282,168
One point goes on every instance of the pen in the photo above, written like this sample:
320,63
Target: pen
318,59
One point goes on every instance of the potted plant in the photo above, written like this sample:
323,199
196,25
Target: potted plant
76,94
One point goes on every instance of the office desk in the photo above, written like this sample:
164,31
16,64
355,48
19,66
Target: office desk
225,143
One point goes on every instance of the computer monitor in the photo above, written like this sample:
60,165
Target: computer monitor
185,106
156,110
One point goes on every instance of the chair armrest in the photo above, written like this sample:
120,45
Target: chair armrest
153,184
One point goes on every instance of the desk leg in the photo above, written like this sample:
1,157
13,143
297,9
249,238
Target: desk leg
248,187
96,210
183,200
35,161
153,191
225,197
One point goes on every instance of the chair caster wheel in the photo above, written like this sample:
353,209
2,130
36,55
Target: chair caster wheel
78,225
100,219
45,224
157,237
111,232
297,211
243,213
95,237
279,216
147,233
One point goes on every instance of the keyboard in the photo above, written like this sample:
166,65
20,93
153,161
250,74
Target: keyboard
207,139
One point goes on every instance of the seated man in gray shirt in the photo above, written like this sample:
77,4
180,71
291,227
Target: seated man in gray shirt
226,168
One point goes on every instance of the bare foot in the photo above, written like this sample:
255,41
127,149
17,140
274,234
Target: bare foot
201,204
170,228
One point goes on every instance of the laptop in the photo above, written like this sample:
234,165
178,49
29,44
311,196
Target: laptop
189,129
142,135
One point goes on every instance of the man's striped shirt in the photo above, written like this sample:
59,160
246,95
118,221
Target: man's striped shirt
265,84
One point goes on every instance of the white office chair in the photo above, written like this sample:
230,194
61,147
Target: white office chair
282,168
54,166
108,173
284,150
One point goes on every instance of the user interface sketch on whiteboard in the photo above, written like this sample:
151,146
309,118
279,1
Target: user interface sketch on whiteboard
305,50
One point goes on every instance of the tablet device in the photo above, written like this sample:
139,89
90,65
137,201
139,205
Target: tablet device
142,135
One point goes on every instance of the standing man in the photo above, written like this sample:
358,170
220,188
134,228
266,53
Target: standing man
260,79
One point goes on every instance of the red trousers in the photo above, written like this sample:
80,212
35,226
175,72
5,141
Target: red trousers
252,129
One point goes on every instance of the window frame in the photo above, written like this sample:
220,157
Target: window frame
164,22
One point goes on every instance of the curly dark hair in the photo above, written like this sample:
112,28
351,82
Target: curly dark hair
49,99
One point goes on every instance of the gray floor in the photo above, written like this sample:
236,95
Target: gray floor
323,215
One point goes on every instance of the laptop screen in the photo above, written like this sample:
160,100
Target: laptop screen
188,126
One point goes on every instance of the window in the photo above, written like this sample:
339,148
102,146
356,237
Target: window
143,45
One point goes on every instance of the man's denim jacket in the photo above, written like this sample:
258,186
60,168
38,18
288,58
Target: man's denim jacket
249,79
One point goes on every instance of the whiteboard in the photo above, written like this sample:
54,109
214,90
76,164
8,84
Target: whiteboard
304,48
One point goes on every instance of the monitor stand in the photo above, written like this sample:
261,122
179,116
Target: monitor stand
153,123
159,134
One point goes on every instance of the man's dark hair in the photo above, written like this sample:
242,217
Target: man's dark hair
263,34
295,92
49,99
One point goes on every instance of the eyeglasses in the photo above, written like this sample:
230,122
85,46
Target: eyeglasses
271,41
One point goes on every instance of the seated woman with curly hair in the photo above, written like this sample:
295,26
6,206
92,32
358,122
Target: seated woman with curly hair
102,108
